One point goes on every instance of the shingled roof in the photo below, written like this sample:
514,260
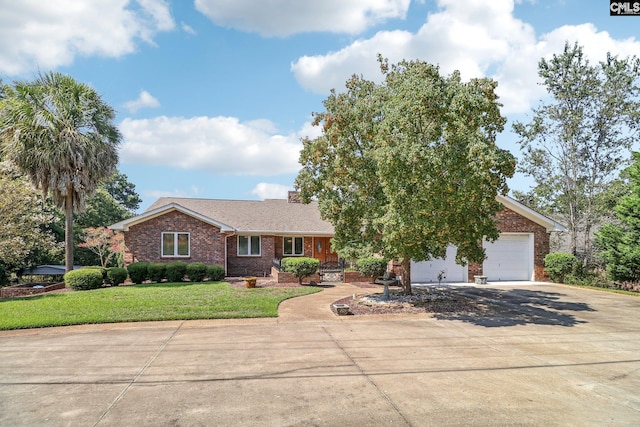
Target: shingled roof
271,216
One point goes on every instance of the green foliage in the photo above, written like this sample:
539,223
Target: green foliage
25,223
157,271
102,270
300,267
372,267
176,271
122,191
138,272
620,244
4,275
196,272
61,134
101,209
84,279
410,166
116,275
558,265
215,272
577,141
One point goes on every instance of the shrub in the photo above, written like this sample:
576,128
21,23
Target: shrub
157,271
560,264
83,279
372,267
196,271
215,272
176,271
102,270
116,275
138,272
300,267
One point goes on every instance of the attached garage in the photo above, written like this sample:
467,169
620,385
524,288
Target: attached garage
509,258
428,271
518,254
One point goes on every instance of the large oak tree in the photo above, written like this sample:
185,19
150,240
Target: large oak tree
408,166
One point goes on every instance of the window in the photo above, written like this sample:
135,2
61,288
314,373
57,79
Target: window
249,245
293,245
176,245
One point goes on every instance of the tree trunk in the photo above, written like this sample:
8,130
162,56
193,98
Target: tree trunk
68,232
406,275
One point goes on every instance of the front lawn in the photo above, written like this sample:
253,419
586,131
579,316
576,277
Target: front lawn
165,301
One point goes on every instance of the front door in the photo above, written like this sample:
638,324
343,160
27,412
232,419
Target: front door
322,250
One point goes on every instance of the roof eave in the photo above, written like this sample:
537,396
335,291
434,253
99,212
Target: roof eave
538,218
127,223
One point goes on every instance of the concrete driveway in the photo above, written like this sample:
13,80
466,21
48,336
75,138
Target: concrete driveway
542,355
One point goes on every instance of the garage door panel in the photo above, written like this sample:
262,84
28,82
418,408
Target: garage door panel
509,258
427,271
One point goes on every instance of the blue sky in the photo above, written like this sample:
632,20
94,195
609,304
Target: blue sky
213,96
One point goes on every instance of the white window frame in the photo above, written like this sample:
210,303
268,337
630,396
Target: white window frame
175,244
249,237
293,245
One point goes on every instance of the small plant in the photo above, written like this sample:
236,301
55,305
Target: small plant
372,267
196,272
138,272
300,267
157,271
116,275
559,265
215,272
176,271
83,279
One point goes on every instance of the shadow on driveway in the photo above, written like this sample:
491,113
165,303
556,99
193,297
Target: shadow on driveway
511,307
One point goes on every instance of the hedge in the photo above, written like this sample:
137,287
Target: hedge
116,275
138,272
176,271
372,267
558,265
215,272
83,279
300,267
157,271
196,272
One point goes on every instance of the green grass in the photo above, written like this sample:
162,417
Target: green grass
603,289
166,301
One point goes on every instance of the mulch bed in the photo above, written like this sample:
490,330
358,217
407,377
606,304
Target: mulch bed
424,300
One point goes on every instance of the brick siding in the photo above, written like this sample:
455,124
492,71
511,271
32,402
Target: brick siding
251,265
143,243
144,240
511,222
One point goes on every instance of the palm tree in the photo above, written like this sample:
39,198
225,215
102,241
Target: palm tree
60,133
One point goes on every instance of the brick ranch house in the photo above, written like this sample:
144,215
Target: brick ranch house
247,236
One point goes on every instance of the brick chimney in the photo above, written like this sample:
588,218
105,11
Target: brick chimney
294,197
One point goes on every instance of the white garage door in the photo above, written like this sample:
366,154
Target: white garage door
427,271
509,258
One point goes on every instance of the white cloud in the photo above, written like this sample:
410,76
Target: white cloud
285,17
50,34
221,145
188,29
476,37
145,100
265,190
